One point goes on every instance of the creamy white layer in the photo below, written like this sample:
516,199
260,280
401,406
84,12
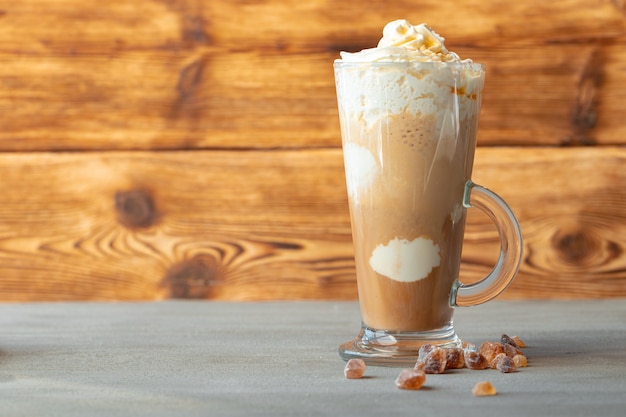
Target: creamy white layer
406,261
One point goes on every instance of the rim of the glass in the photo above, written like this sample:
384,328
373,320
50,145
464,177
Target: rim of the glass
428,64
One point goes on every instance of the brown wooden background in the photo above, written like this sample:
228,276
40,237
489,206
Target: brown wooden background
187,148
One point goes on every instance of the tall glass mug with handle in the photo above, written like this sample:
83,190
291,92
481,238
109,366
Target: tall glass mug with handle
409,113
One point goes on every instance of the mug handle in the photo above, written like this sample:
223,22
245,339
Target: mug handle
511,248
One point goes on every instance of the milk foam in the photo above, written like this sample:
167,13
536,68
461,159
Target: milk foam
360,166
406,261
423,90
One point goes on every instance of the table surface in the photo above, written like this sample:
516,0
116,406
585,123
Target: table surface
187,358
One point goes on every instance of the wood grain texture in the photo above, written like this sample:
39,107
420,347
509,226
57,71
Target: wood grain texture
190,74
253,225
571,204
190,148
223,225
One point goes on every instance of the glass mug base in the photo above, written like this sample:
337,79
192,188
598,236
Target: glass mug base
384,348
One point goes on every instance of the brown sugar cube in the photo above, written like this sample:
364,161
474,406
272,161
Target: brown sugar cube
355,368
503,364
511,350
520,361
474,360
412,379
496,359
518,341
424,351
490,350
434,362
455,358
483,389
506,340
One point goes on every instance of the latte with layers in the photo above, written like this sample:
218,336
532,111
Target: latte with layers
409,112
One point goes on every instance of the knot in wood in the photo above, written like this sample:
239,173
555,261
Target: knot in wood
192,278
135,208
193,30
576,247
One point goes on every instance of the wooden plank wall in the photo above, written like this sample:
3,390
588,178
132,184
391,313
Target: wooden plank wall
188,148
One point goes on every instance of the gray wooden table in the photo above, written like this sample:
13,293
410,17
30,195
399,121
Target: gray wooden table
181,358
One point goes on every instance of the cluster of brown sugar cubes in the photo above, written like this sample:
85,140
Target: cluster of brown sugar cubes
506,356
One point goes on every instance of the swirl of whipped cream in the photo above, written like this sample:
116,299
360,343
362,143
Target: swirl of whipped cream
402,41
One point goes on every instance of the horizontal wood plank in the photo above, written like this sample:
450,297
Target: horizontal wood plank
282,24
556,96
260,225
195,75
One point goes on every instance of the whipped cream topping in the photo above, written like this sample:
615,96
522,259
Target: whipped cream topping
402,41
428,86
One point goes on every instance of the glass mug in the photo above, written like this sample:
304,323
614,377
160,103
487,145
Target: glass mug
409,135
